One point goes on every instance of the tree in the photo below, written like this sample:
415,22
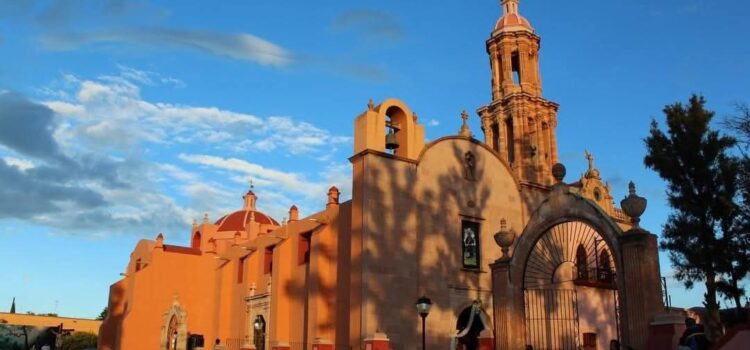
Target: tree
739,259
103,314
701,178
79,341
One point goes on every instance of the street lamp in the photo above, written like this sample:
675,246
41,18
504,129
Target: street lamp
423,308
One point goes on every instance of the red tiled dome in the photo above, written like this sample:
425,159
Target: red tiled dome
510,20
236,221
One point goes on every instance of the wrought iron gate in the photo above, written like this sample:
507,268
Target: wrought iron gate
551,319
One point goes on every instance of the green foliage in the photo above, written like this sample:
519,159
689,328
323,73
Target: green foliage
103,314
79,341
701,179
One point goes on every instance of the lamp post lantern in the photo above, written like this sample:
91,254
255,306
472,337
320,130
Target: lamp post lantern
423,308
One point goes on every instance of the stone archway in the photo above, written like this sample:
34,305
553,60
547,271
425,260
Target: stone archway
472,327
636,283
570,297
174,328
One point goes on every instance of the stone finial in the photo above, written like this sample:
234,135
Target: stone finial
160,241
414,116
237,237
370,105
195,223
504,238
333,196
633,205
559,171
465,131
293,213
205,218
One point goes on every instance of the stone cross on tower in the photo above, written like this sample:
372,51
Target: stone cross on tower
465,131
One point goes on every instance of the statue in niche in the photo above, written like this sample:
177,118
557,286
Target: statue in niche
469,166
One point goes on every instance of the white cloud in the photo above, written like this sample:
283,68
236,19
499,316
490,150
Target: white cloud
240,46
433,122
21,164
110,112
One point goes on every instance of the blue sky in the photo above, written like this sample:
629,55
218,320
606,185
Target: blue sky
140,116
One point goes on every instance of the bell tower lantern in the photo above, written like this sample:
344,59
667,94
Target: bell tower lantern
519,124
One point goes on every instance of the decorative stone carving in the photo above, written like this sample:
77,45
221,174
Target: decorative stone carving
559,171
504,238
633,205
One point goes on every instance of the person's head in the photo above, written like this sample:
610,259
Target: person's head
690,322
614,344
217,341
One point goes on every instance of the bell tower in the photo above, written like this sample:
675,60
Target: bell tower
519,124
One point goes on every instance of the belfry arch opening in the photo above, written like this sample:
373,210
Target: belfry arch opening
196,241
515,61
395,124
511,146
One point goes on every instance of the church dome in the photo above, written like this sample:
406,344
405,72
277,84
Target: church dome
237,220
512,20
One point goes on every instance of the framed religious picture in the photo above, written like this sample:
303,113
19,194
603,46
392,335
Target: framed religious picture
470,244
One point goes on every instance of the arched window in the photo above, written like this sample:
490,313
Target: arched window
582,264
196,243
138,265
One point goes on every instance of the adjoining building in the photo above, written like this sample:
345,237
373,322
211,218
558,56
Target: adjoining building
508,253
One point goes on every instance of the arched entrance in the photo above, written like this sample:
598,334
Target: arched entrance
469,325
174,329
570,294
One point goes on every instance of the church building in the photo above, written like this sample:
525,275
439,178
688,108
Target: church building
483,224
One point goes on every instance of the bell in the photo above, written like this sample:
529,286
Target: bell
390,141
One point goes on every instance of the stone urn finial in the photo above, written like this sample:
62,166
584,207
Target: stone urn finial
504,238
559,171
633,205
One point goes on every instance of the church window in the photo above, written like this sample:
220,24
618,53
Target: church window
241,270
495,137
515,62
582,264
268,260
470,244
138,265
510,140
303,256
597,195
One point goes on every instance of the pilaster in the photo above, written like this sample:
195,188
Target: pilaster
508,316
642,298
